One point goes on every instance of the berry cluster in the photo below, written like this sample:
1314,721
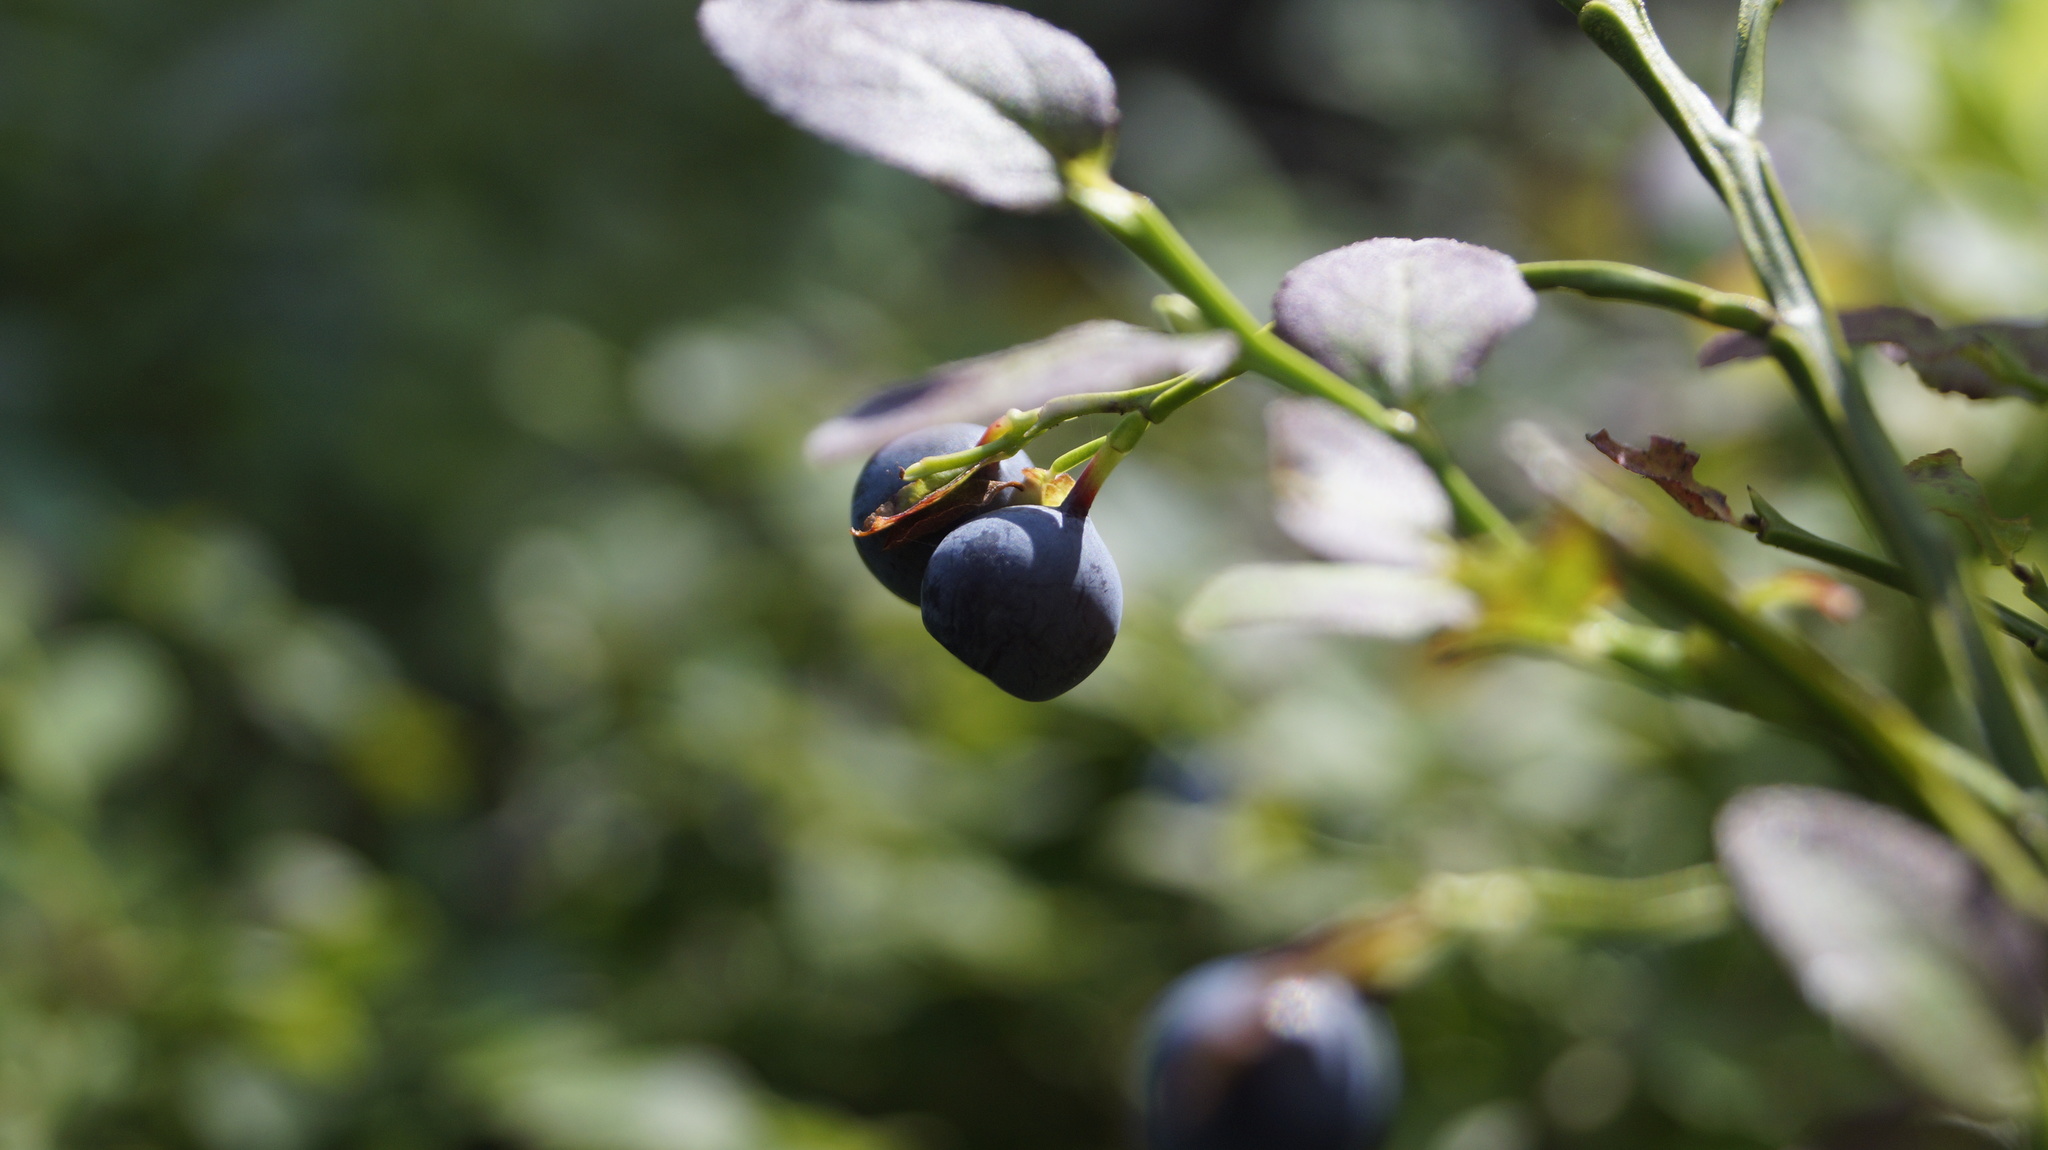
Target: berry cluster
1024,593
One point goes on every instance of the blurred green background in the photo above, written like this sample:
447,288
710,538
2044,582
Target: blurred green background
439,708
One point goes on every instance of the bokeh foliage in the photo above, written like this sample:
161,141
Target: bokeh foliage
439,707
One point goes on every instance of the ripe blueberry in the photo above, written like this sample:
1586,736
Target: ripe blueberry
1244,1054
901,568
1027,596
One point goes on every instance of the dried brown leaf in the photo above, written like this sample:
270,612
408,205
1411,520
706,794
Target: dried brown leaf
1669,465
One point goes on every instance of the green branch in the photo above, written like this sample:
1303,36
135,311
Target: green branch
1602,279
1014,431
1079,455
1774,530
1969,797
1807,342
1746,93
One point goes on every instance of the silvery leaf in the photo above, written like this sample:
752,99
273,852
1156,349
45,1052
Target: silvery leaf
1418,315
1100,355
980,99
1896,935
1346,598
1348,492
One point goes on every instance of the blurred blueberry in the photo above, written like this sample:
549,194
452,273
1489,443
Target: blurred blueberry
1191,777
1246,1054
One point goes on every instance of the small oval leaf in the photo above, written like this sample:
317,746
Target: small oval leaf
1417,315
1348,492
977,98
1100,355
1896,935
1345,598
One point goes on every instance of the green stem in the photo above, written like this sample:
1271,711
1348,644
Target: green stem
1010,434
1602,279
1966,795
1181,394
1773,530
1138,224
1746,94
1808,343
1396,947
1121,441
1693,902
1014,431
1079,455
1962,792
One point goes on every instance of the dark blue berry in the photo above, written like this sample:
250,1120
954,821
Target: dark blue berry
901,568
1246,1054
1027,596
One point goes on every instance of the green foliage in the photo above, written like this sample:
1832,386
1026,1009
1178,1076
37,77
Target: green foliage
1952,492
439,707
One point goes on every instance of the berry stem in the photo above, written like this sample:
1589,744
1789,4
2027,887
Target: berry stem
1117,444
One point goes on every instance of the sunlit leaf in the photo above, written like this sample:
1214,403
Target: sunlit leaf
1893,933
1949,490
1669,465
977,98
1978,360
1101,355
1416,315
1347,598
1348,492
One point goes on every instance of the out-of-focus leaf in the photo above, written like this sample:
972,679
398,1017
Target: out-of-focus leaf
104,702
1347,598
405,749
1418,315
1101,355
1978,360
1893,933
977,98
1538,594
1949,490
1348,492
564,1085
1669,465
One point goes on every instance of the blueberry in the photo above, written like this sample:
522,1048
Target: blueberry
1027,596
901,568
1245,1054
